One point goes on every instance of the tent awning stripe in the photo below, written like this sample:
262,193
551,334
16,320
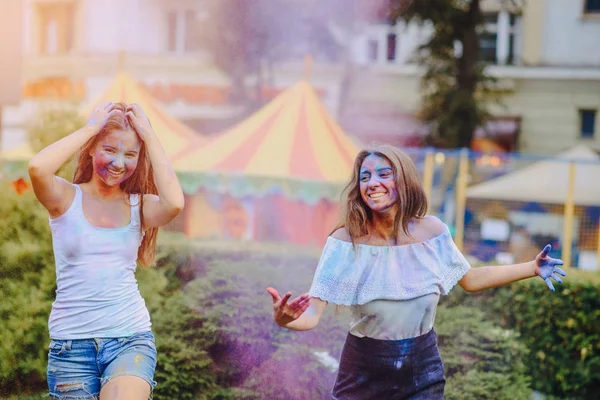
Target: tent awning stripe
302,160
238,159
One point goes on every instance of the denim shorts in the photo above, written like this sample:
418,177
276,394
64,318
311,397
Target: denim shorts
78,369
373,369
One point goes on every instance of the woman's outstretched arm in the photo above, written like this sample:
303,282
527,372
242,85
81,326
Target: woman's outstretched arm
301,314
492,276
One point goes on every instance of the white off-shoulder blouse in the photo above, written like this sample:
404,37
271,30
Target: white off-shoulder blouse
392,291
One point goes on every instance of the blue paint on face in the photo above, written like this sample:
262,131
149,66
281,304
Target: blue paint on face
378,184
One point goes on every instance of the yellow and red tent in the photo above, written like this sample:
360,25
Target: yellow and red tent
172,133
277,175
290,143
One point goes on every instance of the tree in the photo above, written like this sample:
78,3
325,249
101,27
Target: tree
246,39
51,125
453,79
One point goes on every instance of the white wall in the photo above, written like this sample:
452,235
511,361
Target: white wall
101,26
136,26
569,38
549,112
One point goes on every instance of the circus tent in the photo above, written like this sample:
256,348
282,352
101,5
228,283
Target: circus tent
173,134
281,171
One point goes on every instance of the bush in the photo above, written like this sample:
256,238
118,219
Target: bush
184,367
479,357
27,284
27,272
52,124
560,329
216,338
251,352
267,362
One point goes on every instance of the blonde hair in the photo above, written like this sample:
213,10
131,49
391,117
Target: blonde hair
412,203
141,182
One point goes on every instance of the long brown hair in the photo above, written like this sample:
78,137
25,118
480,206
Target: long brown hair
141,182
412,203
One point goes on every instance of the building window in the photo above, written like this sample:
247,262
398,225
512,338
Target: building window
172,31
57,22
487,41
489,38
592,6
587,123
391,46
193,32
183,31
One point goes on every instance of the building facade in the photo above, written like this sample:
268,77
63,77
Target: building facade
545,54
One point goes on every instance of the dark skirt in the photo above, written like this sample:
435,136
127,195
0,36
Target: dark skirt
373,369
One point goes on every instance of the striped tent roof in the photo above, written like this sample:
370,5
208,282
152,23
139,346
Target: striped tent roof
293,138
173,134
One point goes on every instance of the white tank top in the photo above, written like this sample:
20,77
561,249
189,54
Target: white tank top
97,294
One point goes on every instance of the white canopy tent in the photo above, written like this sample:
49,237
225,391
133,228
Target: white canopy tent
547,181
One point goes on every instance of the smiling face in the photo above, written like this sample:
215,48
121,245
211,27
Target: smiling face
115,156
377,184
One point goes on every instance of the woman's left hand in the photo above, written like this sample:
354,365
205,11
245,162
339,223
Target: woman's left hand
139,121
548,267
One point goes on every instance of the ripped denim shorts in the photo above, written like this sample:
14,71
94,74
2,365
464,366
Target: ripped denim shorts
78,369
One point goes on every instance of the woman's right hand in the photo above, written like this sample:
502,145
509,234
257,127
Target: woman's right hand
284,312
101,114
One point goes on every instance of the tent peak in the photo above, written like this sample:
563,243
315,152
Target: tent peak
580,151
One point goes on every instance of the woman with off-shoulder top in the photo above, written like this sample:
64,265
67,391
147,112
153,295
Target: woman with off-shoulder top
389,263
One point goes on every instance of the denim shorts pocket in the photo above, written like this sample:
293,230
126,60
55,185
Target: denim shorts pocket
146,338
56,346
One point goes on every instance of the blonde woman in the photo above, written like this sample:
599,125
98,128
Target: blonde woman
124,188
389,263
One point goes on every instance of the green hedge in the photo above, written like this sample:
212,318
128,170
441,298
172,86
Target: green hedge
560,329
251,353
212,321
27,284
481,360
263,361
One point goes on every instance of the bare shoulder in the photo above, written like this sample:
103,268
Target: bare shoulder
341,234
432,226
